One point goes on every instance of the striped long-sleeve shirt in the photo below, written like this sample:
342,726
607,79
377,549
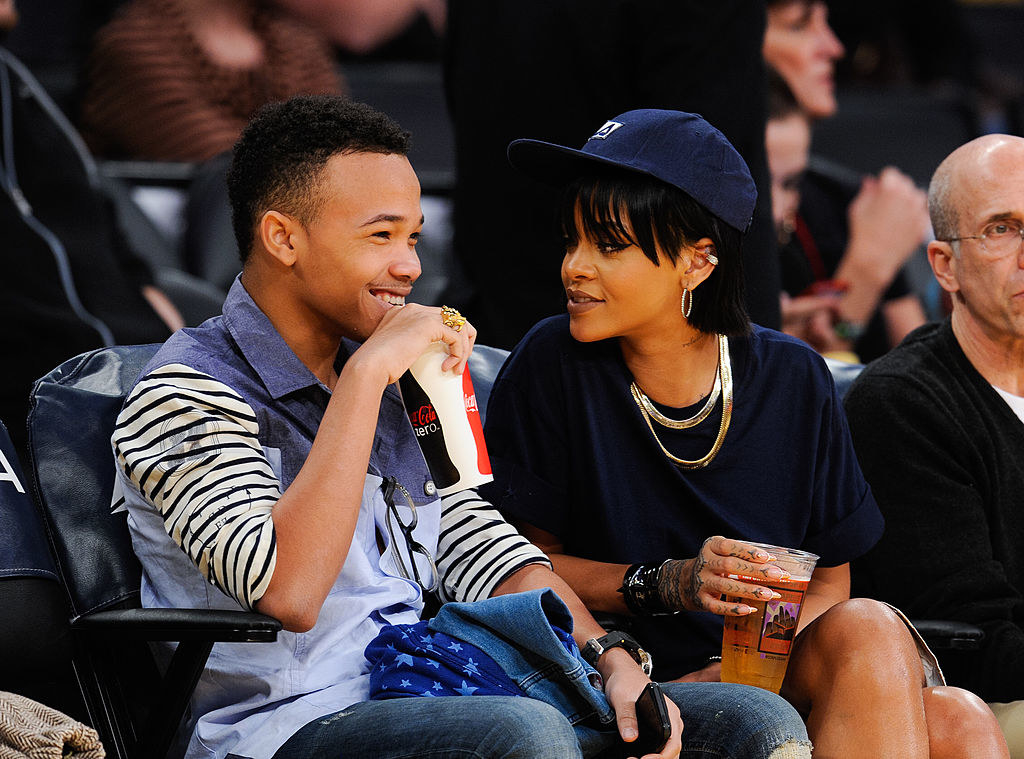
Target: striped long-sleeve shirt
190,444
213,456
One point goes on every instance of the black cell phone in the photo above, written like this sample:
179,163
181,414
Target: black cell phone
653,722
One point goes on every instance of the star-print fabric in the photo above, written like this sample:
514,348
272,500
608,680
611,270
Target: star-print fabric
413,660
514,644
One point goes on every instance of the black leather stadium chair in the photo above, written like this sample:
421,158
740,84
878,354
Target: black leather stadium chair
135,708
35,656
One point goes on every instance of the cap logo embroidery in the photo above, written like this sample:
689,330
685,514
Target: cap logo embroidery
606,130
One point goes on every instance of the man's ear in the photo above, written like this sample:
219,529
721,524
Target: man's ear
277,233
945,264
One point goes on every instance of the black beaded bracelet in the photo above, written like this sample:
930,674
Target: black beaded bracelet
640,590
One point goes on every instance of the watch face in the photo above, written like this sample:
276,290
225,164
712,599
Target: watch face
646,661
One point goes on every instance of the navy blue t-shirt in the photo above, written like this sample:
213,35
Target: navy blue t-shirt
572,455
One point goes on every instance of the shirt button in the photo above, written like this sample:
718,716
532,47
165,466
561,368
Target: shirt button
429,488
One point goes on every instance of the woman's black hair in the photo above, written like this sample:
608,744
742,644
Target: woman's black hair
664,218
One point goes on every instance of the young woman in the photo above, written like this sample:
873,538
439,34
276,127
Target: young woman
655,415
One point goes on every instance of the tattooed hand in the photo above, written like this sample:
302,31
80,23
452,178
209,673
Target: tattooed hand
701,583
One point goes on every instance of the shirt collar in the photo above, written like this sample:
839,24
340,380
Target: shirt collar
268,354
280,370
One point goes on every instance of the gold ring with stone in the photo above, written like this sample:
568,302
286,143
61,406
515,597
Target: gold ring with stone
452,318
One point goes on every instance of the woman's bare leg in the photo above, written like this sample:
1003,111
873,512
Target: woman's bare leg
856,674
961,726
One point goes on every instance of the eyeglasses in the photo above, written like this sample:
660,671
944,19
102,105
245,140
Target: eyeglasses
413,546
1000,238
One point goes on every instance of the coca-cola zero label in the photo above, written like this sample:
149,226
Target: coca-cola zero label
429,433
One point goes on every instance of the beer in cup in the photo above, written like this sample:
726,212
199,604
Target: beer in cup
755,647
446,420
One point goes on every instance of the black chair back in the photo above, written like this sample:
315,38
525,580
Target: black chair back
135,708
484,364
25,552
34,653
74,408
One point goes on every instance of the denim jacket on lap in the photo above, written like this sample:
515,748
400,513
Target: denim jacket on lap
526,636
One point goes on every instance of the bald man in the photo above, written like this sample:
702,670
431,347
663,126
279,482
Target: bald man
938,424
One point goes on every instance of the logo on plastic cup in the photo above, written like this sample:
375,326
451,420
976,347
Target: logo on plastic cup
445,418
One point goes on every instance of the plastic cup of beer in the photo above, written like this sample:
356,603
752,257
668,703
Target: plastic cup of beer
755,647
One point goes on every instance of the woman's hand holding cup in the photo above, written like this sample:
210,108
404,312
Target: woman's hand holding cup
700,583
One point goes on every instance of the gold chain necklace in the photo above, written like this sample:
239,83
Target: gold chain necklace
725,374
680,424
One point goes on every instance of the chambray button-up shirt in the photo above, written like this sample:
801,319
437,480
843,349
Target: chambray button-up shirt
254,696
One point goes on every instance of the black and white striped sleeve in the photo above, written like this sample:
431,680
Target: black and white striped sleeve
189,444
477,549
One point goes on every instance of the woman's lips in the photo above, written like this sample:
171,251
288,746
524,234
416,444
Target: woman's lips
580,302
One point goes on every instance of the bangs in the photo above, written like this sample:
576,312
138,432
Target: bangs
595,213
618,209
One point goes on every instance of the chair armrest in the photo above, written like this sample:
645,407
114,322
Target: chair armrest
101,636
180,625
945,634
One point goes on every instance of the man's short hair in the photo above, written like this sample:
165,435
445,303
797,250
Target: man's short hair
942,209
280,157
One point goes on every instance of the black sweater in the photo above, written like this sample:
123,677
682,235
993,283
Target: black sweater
944,455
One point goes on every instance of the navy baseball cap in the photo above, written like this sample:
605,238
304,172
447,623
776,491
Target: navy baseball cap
679,148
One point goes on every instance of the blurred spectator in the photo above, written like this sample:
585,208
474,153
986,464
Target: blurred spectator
362,28
554,70
71,283
178,79
52,39
800,45
8,15
841,264
788,142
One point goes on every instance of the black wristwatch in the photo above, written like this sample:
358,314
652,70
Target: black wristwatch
592,651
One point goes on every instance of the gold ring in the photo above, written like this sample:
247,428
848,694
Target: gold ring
452,318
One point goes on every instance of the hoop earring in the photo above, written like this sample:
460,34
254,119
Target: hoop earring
687,304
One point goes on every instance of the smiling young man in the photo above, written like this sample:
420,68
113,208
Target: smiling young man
948,405
256,456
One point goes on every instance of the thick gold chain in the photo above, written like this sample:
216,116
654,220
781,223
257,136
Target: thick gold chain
681,424
725,373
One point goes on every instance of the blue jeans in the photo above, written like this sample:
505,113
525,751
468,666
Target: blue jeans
721,720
